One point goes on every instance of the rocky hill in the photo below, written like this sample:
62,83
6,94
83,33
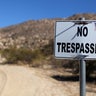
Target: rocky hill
31,34
34,33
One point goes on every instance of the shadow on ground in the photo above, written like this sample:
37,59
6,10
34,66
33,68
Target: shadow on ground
72,78
66,78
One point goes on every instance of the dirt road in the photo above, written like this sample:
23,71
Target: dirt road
21,81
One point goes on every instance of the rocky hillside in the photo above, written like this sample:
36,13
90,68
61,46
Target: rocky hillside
34,33
31,34
28,34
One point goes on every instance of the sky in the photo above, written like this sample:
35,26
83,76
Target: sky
18,11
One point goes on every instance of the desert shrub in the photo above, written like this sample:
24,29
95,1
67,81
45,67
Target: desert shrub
13,55
48,49
90,67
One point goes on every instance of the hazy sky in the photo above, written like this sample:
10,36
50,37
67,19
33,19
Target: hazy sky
16,11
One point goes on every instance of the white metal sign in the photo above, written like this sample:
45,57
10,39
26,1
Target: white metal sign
75,40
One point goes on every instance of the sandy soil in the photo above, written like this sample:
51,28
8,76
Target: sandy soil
24,81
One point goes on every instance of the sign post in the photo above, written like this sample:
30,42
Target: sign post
76,39
82,78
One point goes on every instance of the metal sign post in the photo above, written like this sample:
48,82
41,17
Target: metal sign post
82,77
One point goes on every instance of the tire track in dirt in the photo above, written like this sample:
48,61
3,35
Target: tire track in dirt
3,80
